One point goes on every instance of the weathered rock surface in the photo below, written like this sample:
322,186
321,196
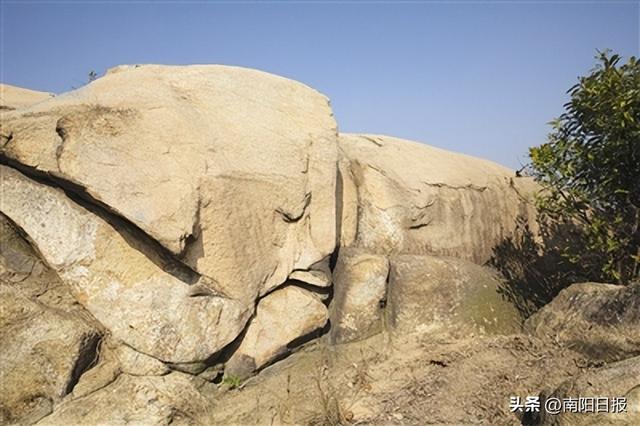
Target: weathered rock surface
19,264
447,297
229,168
138,364
12,97
169,399
141,304
599,320
315,277
359,298
282,317
411,198
189,218
614,381
43,351
47,339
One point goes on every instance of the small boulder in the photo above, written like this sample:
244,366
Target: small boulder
359,295
282,317
601,321
161,400
447,297
614,390
317,275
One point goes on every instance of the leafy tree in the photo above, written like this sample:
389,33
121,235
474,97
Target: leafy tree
590,169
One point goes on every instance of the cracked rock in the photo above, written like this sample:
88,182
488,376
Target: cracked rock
128,399
134,298
184,153
601,321
43,352
282,317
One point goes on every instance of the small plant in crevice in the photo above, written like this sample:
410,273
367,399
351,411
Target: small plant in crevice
232,381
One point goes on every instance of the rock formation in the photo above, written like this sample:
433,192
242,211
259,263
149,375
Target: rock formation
600,320
12,97
169,231
615,382
402,197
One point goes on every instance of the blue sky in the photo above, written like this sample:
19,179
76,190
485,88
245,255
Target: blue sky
483,78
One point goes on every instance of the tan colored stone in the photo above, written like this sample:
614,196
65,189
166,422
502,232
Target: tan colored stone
190,151
18,262
359,295
141,304
12,97
317,275
281,317
43,351
138,364
617,380
447,297
156,400
347,201
416,199
600,320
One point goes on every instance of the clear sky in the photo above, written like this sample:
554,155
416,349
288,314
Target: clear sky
483,78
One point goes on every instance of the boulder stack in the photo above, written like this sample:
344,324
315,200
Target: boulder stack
164,223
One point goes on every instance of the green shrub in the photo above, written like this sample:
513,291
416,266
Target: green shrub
590,169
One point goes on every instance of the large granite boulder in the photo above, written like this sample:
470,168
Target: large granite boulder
125,286
599,320
178,220
447,297
188,219
232,170
403,197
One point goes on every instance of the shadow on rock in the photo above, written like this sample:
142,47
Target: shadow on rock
534,265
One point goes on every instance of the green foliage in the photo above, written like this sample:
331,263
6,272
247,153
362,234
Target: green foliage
232,381
590,169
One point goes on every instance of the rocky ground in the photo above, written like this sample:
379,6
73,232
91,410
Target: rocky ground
408,381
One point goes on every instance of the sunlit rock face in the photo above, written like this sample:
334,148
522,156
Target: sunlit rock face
403,197
175,225
600,320
206,186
